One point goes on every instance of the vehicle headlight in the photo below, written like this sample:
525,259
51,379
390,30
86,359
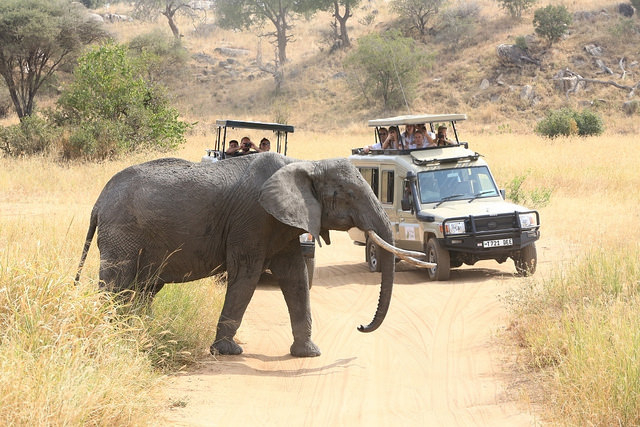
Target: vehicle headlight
455,227
528,220
306,238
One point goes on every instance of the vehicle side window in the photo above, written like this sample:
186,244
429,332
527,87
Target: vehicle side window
386,187
371,176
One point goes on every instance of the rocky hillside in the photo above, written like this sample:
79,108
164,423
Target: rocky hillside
481,72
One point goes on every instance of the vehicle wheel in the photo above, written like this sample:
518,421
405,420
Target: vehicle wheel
311,266
435,253
372,256
526,260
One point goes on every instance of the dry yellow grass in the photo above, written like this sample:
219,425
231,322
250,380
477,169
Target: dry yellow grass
45,204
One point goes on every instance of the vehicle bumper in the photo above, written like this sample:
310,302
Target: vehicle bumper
474,243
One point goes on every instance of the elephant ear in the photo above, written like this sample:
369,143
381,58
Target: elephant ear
290,197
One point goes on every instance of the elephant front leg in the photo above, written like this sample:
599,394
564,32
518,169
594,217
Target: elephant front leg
239,293
290,270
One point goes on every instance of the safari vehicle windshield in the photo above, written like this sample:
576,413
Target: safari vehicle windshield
462,183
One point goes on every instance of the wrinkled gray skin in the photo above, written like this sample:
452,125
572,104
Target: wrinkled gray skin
171,220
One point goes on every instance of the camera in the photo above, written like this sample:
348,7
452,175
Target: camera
247,145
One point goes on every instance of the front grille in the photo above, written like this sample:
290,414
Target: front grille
488,224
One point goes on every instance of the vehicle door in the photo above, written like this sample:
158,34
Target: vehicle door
408,231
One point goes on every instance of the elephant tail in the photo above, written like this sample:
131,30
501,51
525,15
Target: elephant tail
93,224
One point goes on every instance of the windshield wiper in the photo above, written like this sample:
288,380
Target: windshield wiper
446,199
482,193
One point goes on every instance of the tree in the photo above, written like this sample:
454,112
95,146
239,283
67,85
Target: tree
551,22
243,14
334,6
418,12
36,38
110,108
516,7
168,8
385,68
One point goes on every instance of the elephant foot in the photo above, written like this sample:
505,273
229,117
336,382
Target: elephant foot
304,349
225,346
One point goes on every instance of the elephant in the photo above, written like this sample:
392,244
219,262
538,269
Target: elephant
174,221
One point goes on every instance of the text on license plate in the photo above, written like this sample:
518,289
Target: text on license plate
497,243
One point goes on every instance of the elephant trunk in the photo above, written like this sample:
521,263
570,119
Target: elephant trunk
387,267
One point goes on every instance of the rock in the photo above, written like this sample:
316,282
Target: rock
593,50
567,81
228,51
95,17
527,93
625,9
203,57
115,17
510,53
603,67
630,107
484,85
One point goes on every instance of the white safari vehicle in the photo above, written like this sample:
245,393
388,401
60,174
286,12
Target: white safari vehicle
236,129
444,202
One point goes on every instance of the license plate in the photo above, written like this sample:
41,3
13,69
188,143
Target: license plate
497,243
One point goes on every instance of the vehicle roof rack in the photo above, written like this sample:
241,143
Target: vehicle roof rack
416,119
241,124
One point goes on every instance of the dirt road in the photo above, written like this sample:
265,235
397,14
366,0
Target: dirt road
433,362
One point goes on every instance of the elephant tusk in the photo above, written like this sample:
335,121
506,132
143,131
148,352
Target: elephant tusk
409,256
390,248
419,263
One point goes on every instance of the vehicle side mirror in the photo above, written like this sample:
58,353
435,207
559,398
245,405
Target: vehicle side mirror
405,203
503,193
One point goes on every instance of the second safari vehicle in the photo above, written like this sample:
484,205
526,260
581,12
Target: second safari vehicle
443,201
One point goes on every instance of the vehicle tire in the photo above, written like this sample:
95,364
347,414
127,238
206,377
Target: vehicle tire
526,260
311,266
372,257
435,253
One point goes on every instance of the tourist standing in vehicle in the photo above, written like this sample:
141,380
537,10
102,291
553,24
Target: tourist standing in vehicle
429,137
265,145
247,146
408,134
418,140
382,135
394,140
441,137
234,148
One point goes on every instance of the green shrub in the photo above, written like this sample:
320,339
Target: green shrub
32,135
521,42
516,7
589,123
558,122
552,22
111,108
565,122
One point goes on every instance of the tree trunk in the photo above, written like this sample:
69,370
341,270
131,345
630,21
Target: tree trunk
172,23
344,36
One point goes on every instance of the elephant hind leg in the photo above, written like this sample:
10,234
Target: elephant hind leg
126,274
240,289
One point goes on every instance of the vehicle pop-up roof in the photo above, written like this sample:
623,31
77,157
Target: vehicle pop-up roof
279,129
418,119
